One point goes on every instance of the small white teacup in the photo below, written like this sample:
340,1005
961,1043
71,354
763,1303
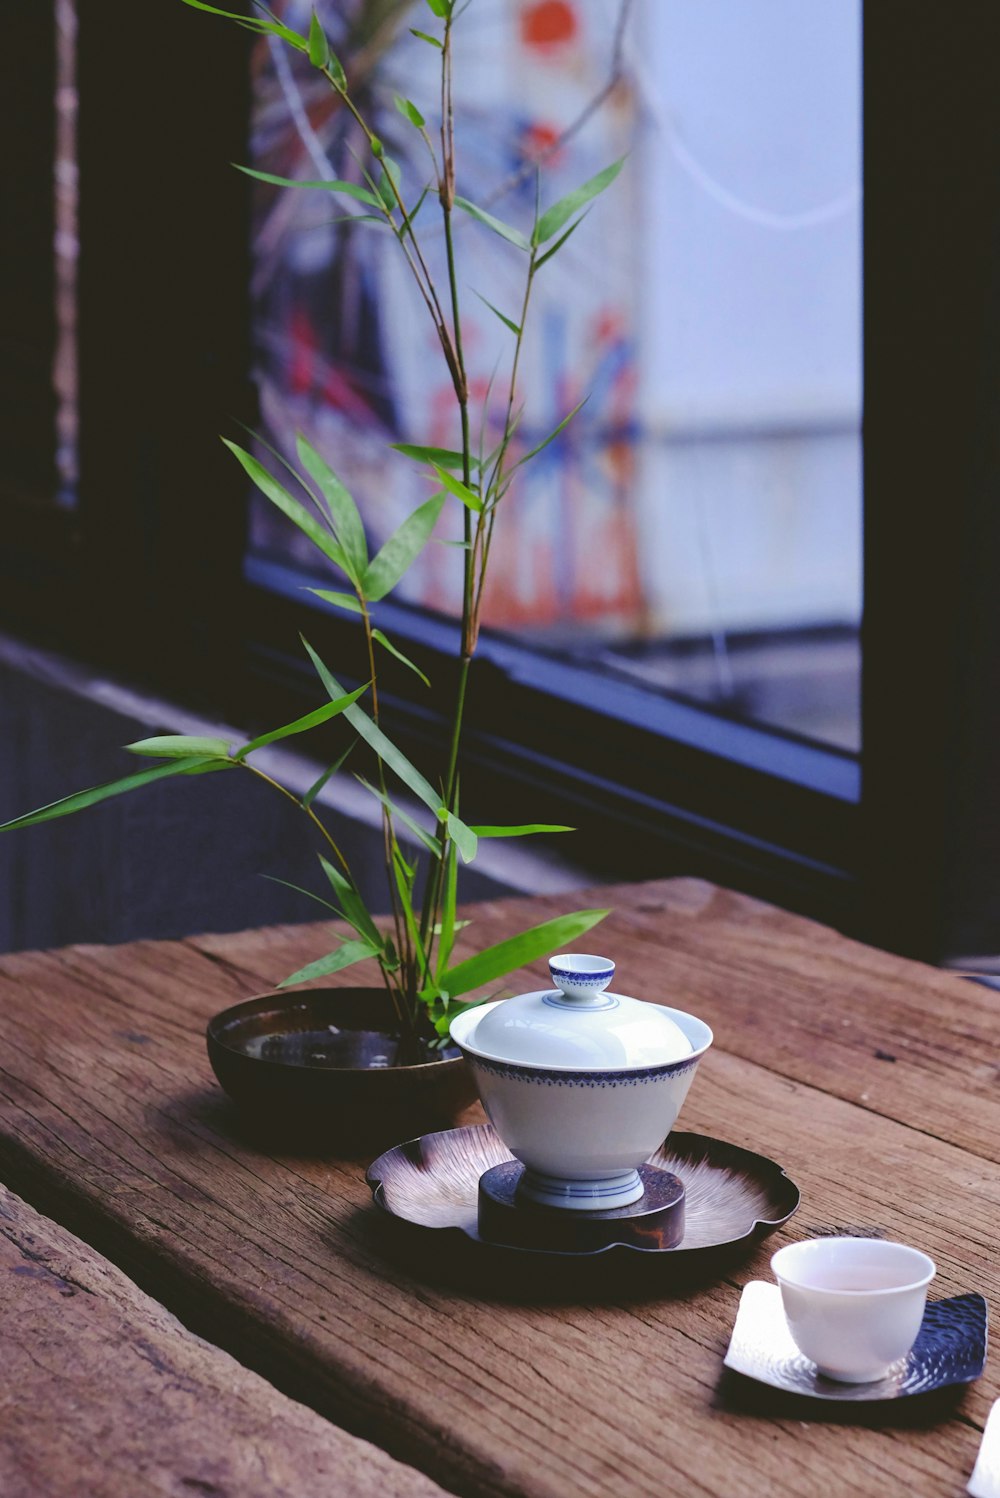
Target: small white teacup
853,1305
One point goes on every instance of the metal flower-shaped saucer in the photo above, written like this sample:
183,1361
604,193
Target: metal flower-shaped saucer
950,1349
429,1188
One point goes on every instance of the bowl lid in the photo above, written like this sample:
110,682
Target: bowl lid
578,1024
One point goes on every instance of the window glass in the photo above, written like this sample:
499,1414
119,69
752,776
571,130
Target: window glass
697,527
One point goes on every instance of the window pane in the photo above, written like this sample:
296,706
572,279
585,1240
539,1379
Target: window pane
697,528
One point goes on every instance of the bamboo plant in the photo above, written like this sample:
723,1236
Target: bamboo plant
414,944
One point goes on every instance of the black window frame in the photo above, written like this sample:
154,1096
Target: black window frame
655,785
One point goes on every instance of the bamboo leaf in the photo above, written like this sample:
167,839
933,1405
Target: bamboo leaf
463,836
300,890
376,739
404,875
409,111
449,902
180,746
446,457
506,231
405,544
390,180
497,313
346,955
560,213
517,951
355,909
527,830
336,184
82,799
344,512
290,506
397,761
388,645
442,1018
440,8
423,35
469,497
303,724
420,833
553,434
254,23
554,249
319,47
317,785
340,600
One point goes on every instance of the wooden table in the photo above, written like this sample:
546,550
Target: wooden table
872,1079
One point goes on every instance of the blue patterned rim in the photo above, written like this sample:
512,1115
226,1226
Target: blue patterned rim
585,980
543,1078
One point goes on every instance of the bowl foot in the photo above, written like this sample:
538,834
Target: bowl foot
506,1215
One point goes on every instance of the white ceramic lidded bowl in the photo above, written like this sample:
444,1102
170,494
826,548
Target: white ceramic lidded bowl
582,1085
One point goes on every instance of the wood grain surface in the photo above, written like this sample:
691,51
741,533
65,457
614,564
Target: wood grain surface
105,1395
110,1120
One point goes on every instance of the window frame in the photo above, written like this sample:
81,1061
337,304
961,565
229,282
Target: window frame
656,786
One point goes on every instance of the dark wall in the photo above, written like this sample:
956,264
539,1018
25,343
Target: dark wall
168,860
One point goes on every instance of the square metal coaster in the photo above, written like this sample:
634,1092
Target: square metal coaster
950,1349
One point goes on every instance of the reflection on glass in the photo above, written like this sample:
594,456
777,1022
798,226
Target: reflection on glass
697,527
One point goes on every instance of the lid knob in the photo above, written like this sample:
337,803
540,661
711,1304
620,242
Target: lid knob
582,978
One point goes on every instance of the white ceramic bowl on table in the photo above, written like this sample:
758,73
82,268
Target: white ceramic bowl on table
582,1085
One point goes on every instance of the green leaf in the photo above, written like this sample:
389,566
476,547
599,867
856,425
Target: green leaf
346,955
388,645
317,785
299,890
344,512
449,901
560,213
497,225
82,799
373,736
424,37
517,951
442,1018
527,830
553,434
254,23
464,837
420,833
179,746
389,182
497,313
319,47
340,600
336,70
402,547
554,249
440,8
397,761
404,874
409,111
445,457
303,724
351,189
469,497
355,909
293,508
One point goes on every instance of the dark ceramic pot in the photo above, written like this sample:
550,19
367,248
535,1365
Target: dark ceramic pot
318,1067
